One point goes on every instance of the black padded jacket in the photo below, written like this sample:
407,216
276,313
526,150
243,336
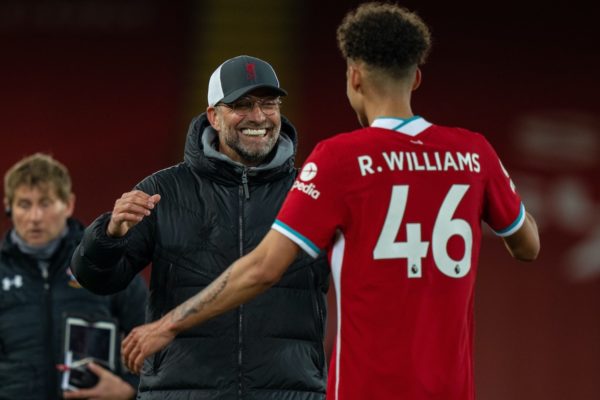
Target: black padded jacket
212,211
33,308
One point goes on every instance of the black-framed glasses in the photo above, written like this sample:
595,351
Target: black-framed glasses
245,105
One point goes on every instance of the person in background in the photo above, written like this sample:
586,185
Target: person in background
398,206
38,291
194,219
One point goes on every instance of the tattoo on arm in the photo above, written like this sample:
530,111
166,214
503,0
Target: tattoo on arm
199,301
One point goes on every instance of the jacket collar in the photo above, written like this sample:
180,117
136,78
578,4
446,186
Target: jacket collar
408,126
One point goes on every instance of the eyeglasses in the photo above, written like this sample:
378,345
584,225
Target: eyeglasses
245,105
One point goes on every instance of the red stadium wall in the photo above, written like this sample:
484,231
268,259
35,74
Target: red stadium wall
96,84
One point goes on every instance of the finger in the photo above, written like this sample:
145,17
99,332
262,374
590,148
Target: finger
128,342
135,193
97,369
129,350
126,217
133,205
139,362
132,362
154,199
121,215
140,197
142,200
130,208
79,394
126,352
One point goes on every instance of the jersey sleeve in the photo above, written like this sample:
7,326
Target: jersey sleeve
314,207
503,209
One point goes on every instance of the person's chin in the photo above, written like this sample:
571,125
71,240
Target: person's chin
37,240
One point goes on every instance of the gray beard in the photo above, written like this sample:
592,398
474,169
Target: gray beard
256,156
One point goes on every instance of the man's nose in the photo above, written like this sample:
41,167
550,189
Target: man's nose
36,213
257,114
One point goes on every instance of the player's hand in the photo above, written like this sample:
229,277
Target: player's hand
109,387
129,210
143,341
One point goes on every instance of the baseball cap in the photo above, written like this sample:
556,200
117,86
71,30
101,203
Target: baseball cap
240,75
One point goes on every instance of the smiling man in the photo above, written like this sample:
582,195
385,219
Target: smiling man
191,221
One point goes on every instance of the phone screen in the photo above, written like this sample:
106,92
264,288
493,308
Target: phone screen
87,341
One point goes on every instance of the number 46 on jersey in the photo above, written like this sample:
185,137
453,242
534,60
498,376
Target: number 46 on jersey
414,249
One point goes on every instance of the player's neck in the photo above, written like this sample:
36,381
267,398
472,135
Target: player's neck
396,108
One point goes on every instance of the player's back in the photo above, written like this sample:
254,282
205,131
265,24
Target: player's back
412,244
407,199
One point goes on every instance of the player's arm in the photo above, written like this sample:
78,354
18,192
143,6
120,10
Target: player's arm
242,281
524,244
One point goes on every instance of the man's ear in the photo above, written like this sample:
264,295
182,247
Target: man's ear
7,208
355,77
417,81
211,114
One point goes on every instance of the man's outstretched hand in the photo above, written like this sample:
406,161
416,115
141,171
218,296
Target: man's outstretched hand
129,210
143,341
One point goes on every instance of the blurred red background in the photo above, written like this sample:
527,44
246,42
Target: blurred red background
108,88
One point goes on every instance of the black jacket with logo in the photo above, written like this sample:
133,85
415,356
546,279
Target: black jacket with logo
32,317
211,212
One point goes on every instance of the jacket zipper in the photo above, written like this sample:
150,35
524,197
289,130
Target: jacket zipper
49,329
243,194
245,183
321,318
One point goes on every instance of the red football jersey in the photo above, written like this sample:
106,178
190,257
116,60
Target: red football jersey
398,206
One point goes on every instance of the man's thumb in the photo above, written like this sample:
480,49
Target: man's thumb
96,369
155,198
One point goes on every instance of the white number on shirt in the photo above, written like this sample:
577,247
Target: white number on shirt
414,249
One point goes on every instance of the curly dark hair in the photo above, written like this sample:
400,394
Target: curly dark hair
385,36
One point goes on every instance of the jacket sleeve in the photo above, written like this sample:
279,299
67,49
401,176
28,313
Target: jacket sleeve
106,265
128,308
